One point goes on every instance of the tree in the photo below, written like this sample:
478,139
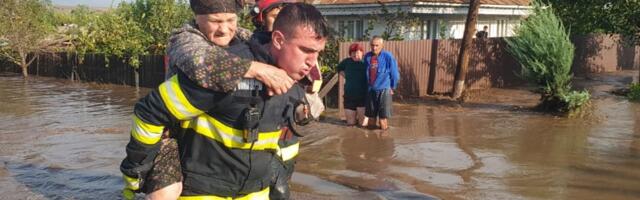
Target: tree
467,42
157,18
24,30
543,48
600,16
394,22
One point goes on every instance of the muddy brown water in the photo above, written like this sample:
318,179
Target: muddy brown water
65,140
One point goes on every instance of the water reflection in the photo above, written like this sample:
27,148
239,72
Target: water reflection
368,154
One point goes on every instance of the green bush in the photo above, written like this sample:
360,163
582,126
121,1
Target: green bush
543,48
574,100
634,92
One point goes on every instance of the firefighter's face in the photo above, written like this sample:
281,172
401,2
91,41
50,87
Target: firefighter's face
219,28
297,52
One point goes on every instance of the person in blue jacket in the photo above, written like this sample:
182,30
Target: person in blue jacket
382,77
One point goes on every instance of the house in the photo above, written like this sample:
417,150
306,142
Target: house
419,19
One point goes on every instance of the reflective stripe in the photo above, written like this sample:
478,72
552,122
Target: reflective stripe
288,153
144,132
230,137
176,101
261,195
131,183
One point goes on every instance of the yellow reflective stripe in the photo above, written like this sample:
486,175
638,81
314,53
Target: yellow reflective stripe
131,183
176,101
230,137
144,132
288,153
260,195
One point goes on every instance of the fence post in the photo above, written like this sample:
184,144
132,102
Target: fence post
341,97
137,78
432,67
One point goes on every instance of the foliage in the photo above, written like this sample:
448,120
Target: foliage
112,34
329,58
600,16
244,19
133,29
574,100
634,92
394,22
24,28
156,18
366,35
443,30
545,52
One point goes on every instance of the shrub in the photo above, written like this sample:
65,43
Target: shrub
543,48
634,92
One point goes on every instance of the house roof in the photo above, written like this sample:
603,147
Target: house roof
490,2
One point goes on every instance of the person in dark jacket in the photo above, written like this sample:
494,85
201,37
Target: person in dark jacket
353,70
483,34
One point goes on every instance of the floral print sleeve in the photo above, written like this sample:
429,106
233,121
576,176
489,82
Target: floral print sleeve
208,65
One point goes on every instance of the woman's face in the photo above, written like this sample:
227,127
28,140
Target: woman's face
357,55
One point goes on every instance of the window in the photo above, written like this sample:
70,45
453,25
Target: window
430,29
502,28
351,29
426,29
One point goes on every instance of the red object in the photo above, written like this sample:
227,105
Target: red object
267,5
315,73
355,47
166,63
373,70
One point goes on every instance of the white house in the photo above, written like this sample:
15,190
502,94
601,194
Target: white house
436,18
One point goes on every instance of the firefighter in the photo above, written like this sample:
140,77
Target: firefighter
228,141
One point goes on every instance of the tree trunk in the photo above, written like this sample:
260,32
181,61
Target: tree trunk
25,72
467,42
24,66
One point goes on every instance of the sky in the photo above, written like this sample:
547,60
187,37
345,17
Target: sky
90,3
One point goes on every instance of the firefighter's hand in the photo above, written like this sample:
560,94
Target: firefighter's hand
276,79
131,187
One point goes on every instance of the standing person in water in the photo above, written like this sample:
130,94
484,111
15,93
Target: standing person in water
354,71
383,77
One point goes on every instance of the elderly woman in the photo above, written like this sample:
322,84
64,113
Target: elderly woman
353,69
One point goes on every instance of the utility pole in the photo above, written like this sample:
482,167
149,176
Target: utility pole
467,42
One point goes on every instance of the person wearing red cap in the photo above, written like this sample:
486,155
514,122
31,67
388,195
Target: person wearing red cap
353,69
265,13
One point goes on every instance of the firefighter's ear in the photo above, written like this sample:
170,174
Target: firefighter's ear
277,38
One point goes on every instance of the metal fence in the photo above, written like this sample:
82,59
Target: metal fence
97,68
428,66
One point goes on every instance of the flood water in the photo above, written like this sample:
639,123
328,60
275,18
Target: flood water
65,140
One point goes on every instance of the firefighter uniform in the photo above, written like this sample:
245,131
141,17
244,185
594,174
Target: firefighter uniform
228,142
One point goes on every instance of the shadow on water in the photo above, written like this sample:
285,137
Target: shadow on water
59,183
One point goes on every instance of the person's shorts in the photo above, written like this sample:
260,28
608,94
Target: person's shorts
353,102
166,167
378,104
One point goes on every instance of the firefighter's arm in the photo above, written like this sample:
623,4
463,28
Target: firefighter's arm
149,119
177,99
